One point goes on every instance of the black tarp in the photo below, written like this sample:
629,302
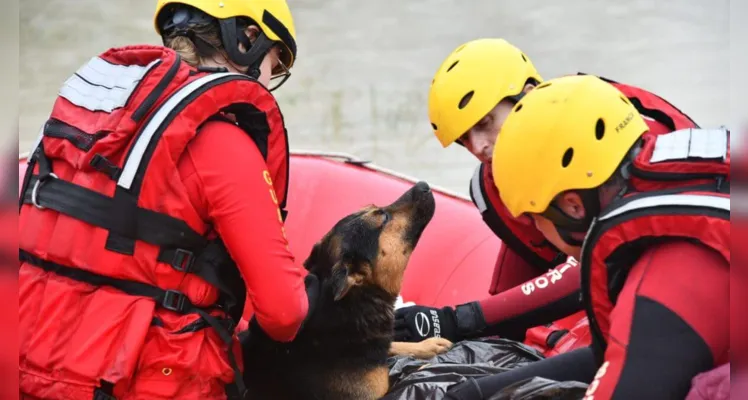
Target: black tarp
413,379
541,388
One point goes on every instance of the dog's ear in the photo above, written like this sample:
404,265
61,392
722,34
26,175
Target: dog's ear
343,279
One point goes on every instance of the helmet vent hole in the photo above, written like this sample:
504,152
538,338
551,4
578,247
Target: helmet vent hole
433,125
452,66
599,129
544,85
465,99
524,57
568,155
519,107
460,48
625,100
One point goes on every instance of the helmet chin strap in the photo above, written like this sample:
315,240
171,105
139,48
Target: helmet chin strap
233,34
567,237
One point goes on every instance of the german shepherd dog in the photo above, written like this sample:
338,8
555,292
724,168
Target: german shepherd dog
341,351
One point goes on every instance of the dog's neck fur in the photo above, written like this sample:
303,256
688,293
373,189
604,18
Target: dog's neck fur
345,329
370,306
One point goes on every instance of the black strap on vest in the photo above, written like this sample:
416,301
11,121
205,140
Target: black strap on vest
46,191
172,300
100,210
102,164
83,141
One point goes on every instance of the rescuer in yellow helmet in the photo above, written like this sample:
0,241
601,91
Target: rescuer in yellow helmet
648,218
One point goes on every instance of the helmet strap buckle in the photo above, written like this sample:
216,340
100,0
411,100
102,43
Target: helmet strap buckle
232,35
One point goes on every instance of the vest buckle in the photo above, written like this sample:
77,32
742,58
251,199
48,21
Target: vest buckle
174,300
182,260
37,186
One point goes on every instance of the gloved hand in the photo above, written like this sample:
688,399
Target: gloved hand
415,323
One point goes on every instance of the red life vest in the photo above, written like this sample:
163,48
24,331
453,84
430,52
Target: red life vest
520,235
560,336
102,201
680,189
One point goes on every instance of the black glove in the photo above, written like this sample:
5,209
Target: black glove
415,323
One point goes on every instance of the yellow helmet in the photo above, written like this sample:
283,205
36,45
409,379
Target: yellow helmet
569,133
471,81
272,16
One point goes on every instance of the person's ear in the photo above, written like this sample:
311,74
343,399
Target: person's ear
252,32
571,204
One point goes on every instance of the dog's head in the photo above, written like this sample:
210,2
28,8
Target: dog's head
372,246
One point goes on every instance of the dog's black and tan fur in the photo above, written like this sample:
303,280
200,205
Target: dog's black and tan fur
341,351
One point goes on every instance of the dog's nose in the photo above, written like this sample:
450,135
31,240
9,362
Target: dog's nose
423,187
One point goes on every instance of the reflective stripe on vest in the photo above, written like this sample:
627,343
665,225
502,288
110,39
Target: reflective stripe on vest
102,86
680,200
687,144
475,189
144,139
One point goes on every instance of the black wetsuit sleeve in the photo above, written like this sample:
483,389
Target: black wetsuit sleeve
577,365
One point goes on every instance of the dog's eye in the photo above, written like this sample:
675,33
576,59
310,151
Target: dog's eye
385,216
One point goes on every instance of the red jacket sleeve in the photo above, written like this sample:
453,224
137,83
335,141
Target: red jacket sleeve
240,202
540,300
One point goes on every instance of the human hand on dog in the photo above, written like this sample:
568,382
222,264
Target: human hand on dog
415,323
423,350
431,348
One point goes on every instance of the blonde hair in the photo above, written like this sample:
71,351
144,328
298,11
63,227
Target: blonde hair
185,43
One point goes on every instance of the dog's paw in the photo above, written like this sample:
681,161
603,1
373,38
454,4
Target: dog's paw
431,347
